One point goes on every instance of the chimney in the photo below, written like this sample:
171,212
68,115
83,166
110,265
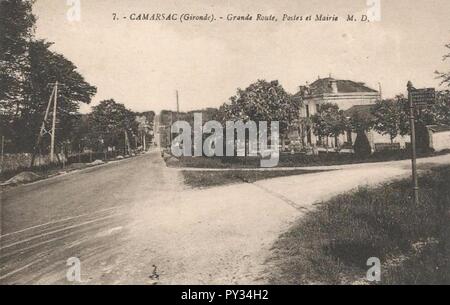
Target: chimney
333,85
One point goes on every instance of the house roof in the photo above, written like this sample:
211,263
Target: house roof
324,86
438,128
367,109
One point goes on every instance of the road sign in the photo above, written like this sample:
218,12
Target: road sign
423,97
412,120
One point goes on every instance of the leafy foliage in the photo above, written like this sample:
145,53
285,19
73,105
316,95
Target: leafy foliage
262,101
441,109
28,71
361,121
49,67
16,31
362,145
445,76
329,121
109,121
389,116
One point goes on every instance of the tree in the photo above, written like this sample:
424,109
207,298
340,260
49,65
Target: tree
388,117
329,121
16,31
110,121
47,67
441,109
262,101
361,122
27,69
145,122
445,76
362,146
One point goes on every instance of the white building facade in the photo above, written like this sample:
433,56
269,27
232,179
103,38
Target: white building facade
350,96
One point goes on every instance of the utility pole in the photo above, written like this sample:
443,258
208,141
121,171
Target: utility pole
52,143
3,150
178,104
380,91
170,130
42,131
126,142
413,143
144,142
171,117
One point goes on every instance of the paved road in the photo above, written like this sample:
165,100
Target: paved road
135,222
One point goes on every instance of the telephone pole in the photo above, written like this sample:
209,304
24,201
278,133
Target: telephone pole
3,150
43,129
144,142
52,143
178,104
126,142
413,143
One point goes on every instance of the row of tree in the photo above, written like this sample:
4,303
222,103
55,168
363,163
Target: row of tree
268,101
263,101
28,71
391,117
388,117
110,125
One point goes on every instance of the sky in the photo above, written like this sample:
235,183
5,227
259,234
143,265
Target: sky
142,63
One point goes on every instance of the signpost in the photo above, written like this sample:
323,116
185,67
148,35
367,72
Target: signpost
417,99
423,97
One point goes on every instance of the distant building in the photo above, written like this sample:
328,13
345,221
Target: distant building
345,93
439,137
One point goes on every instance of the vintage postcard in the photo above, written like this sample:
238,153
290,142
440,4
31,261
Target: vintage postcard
272,142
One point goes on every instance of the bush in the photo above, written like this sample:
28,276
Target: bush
362,145
412,241
422,139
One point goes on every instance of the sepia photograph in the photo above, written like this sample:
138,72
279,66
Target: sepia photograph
225,148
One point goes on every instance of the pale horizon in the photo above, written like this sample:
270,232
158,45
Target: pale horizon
141,64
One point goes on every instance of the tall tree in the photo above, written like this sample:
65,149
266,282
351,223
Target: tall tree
16,31
109,121
27,69
389,116
47,67
441,109
263,101
361,122
445,76
145,122
329,121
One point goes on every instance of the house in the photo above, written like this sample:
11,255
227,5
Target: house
439,137
345,93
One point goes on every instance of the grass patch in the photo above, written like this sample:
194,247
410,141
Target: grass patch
204,179
292,160
331,245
